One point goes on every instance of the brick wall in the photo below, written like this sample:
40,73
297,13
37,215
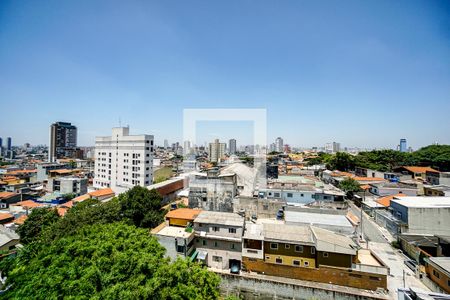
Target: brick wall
338,276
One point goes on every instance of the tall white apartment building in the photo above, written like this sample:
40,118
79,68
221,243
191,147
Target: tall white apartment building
279,144
123,160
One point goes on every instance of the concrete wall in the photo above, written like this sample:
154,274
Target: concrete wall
266,288
429,220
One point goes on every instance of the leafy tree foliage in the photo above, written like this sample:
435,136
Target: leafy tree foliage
322,158
341,161
142,207
350,185
107,261
436,156
38,220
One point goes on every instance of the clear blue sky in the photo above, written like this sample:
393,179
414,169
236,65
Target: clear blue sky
364,73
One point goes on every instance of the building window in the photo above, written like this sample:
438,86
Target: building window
296,263
204,243
306,263
287,246
298,248
232,230
436,273
233,246
302,195
215,228
274,246
278,260
325,254
216,244
289,195
217,258
276,195
313,250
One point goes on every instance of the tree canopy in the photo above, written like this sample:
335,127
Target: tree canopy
350,185
102,251
435,156
38,220
108,261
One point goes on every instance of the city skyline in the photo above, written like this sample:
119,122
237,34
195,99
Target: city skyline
365,65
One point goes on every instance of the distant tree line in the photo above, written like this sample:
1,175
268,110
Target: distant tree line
436,156
102,251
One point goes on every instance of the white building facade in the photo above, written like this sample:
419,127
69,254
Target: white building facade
123,160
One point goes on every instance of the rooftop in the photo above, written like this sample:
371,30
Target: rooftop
332,242
28,204
179,232
415,169
386,200
5,216
424,202
222,218
316,218
288,233
442,262
102,192
183,213
254,231
6,195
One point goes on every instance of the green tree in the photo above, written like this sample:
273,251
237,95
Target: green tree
142,207
350,186
38,220
107,261
341,161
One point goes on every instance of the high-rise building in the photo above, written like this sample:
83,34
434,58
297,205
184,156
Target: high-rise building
1,146
279,144
123,160
166,144
216,151
63,140
336,147
403,147
8,144
187,148
232,146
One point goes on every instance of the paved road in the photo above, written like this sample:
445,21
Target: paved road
379,242
371,229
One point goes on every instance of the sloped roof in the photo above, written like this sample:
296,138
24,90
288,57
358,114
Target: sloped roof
183,213
386,200
6,195
28,203
102,192
5,216
416,169
328,241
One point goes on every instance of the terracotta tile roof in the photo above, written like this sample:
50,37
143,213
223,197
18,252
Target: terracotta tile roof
5,216
357,178
386,200
62,211
68,204
81,198
64,171
365,187
103,192
415,169
183,213
28,203
5,195
20,220
342,174
16,172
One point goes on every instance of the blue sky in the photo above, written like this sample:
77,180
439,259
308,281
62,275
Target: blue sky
364,73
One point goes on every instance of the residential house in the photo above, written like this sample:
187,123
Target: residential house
438,178
310,253
182,217
438,270
415,171
7,198
8,238
393,188
68,185
219,239
436,190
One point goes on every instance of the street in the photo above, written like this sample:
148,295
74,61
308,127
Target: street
379,242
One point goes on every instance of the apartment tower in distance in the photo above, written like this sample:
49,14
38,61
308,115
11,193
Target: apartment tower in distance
232,146
63,140
279,145
403,146
123,160
216,151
